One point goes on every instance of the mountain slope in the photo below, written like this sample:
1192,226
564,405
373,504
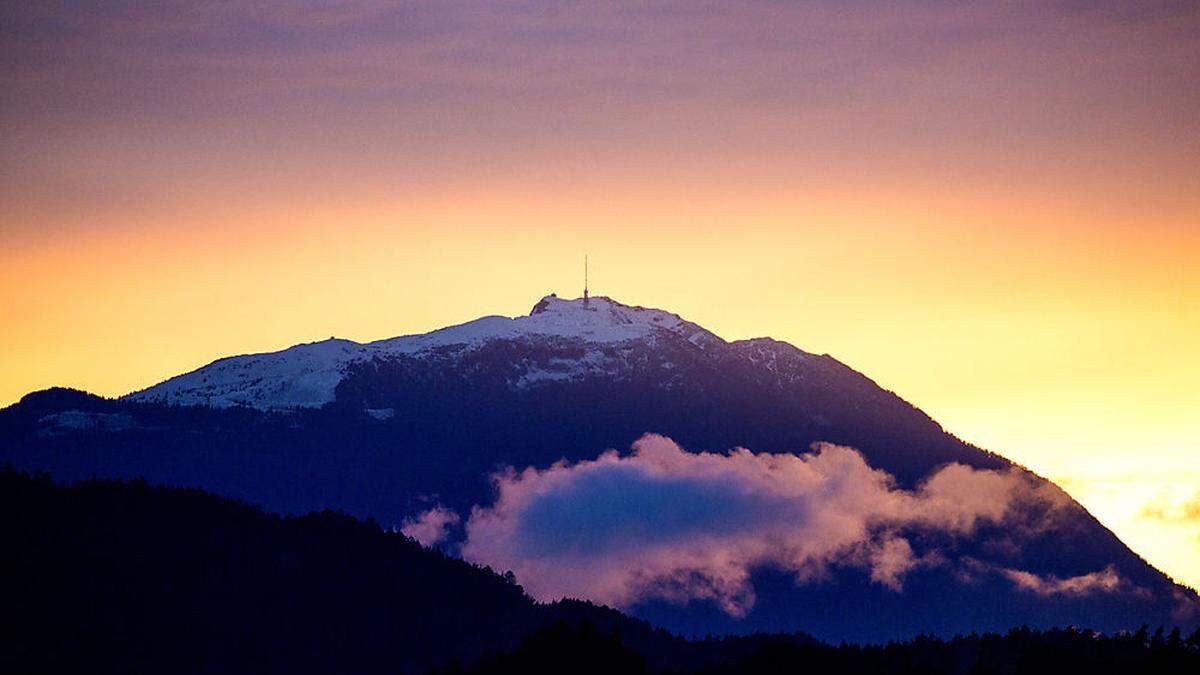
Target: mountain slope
106,577
424,421
116,577
308,375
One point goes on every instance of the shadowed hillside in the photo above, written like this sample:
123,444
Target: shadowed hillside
123,577
108,577
452,427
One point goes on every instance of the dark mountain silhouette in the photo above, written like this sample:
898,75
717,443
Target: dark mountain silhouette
384,430
106,576
111,577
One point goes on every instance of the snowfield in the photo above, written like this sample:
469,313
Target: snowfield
307,375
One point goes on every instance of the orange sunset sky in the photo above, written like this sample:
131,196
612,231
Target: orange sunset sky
992,209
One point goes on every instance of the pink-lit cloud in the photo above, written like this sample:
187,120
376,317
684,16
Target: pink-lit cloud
1104,581
430,527
675,525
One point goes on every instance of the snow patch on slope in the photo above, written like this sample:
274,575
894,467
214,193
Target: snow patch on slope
307,375
67,421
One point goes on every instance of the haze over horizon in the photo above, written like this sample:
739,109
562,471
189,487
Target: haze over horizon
990,210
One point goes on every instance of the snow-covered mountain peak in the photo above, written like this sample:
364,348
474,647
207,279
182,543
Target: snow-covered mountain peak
307,375
599,319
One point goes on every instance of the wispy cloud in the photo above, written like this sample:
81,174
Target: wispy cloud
1104,581
1171,512
430,527
777,54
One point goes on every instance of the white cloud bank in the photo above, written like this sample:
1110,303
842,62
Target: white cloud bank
670,524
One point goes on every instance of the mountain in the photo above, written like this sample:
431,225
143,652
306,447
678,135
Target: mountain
122,577
307,376
491,437
104,576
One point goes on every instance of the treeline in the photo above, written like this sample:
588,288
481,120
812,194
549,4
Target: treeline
583,648
122,577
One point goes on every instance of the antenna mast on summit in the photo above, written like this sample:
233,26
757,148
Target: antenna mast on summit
585,281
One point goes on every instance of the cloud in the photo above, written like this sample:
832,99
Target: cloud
430,527
1163,510
1104,581
890,561
776,54
680,526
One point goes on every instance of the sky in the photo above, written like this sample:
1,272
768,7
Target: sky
992,209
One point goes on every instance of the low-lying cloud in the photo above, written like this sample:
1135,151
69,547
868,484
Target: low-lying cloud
430,527
1104,581
670,524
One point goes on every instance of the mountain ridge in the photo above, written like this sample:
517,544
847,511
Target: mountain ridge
307,374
